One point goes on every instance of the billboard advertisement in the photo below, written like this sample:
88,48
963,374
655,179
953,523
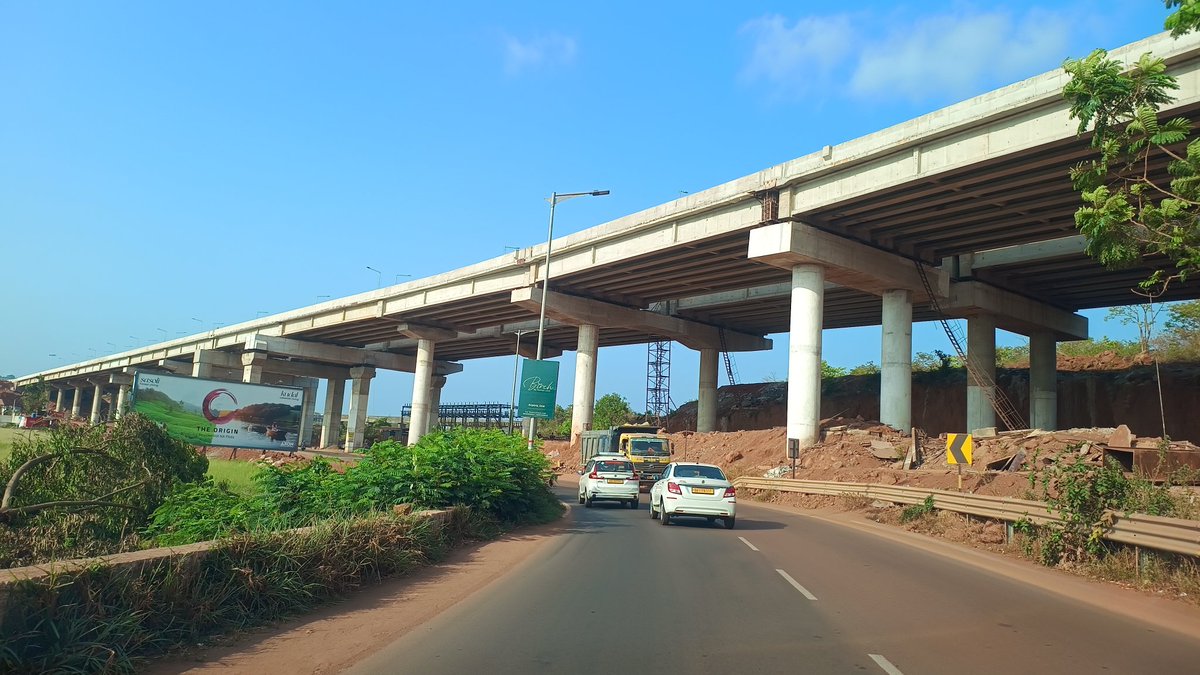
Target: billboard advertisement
539,389
225,414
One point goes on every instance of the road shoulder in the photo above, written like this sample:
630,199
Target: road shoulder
332,638
1149,610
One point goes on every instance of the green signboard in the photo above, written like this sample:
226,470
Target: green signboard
539,389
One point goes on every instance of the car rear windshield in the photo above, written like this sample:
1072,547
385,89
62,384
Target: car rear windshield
696,471
648,447
614,466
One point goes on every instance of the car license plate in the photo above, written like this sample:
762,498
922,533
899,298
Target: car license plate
615,481
702,491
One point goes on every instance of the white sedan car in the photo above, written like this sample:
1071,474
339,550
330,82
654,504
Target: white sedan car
609,478
688,489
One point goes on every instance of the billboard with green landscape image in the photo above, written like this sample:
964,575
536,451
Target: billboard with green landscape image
224,414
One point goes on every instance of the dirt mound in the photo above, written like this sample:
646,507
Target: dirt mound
1108,360
854,450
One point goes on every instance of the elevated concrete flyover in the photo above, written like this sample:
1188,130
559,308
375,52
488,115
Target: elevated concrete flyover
976,194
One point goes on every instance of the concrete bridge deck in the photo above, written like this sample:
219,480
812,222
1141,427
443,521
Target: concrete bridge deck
977,193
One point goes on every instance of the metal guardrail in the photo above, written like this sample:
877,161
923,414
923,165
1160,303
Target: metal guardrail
1174,535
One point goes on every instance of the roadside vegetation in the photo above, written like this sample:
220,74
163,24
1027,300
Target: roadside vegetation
81,491
490,471
237,476
286,538
611,410
1083,495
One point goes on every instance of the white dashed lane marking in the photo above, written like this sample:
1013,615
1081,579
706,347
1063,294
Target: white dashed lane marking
796,585
752,546
885,664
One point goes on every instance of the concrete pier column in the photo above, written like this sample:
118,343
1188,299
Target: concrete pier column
584,403
895,385
252,367
418,424
202,365
59,400
804,354
122,400
981,350
331,420
76,401
1043,381
435,403
706,398
94,418
360,391
308,411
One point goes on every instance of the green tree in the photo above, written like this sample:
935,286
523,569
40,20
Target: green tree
830,372
1011,357
935,360
1183,318
611,410
83,490
1182,335
868,368
35,396
1130,213
1142,316
561,424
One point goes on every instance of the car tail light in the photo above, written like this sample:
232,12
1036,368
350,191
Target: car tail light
636,476
730,492
593,475
673,488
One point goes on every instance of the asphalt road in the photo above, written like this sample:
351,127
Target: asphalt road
620,593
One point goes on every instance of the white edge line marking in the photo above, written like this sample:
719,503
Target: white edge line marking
752,546
797,585
885,664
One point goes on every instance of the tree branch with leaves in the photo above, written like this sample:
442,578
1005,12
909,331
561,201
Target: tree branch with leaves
1132,213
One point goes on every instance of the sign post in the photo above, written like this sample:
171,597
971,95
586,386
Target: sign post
958,452
539,389
793,453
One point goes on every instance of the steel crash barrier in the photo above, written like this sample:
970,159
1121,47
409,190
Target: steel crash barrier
1174,535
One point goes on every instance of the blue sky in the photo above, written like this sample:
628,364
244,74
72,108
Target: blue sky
167,167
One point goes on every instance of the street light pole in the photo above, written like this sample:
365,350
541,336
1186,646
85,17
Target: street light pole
555,198
379,277
512,407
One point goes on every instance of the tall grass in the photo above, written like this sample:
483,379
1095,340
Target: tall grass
239,476
106,619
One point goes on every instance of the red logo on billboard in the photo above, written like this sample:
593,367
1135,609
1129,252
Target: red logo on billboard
212,416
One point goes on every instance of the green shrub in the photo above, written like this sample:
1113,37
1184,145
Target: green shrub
1083,493
103,619
917,511
87,489
207,511
492,472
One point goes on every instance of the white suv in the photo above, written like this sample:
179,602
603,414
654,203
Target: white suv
688,489
609,478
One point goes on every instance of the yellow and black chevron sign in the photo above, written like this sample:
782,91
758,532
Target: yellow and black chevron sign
958,448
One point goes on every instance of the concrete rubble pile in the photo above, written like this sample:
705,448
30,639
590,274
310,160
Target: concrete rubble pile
858,442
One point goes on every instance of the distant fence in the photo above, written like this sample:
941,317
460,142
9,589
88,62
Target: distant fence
471,415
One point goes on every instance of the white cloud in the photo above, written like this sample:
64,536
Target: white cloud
952,55
866,55
542,51
799,56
